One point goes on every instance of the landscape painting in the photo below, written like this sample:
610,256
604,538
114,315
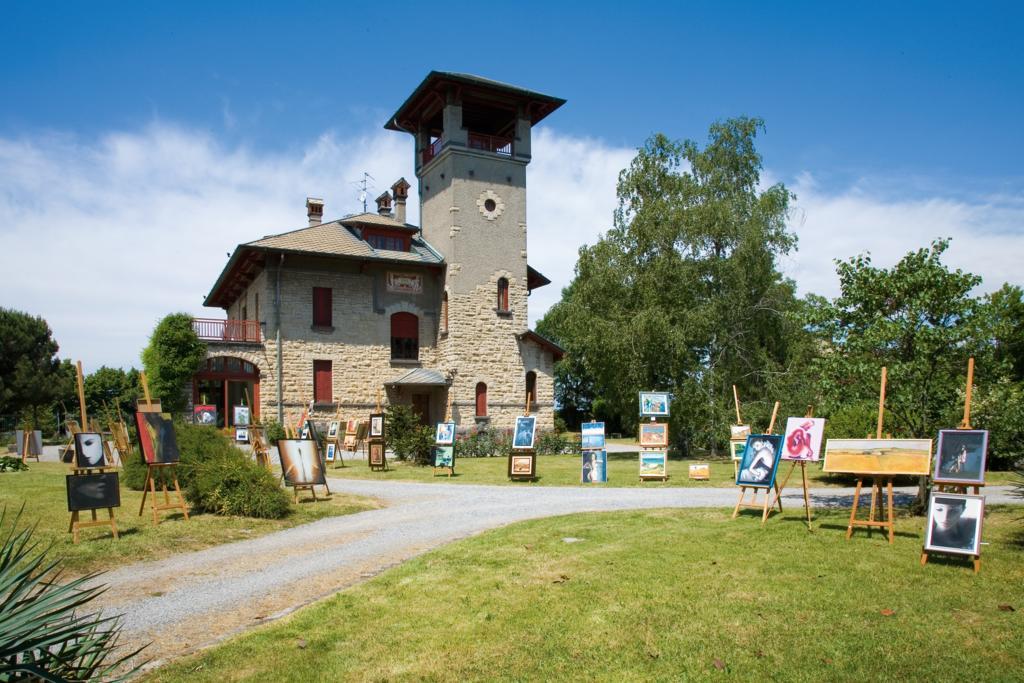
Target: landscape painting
654,464
879,456
521,465
242,434
760,460
93,491
300,462
803,439
739,432
592,435
654,403
736,448
960,456
89,450
701,471
444,456
157,438
653,434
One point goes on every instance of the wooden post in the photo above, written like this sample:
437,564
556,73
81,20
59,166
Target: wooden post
528,397
775,413
145,386
881,405
736,400
966,424
81,395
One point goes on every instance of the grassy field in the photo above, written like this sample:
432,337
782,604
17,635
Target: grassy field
42,490
658,595
564,470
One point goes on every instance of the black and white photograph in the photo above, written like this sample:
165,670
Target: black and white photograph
954,523
960,456
524,432
376,425
93,491
89,450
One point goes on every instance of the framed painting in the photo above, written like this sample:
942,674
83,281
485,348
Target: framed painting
760,460
205,415
331,449
93,491
241,415
362,429
332,429
803,439
954,523
739,432
89,450
242,434
444,456
960,456
523,465
376,455
351,426
653,434
300,462
736,449
595,467
654,403
445,434
592,435
653,464
157,439
879,456
377,425
701,471
526,427
350,442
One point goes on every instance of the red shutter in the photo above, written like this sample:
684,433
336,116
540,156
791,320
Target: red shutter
502,294
322,307
481,399
405,326
323,391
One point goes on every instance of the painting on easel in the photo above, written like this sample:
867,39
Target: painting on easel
300,462
878,457
525,431
89,450
954,523
157,438
803,439
760,460
93,491
960,456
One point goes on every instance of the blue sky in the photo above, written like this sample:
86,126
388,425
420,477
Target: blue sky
214,120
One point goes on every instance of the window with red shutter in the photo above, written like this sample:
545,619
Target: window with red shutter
481,399
503,295
405,337
322,307
323,390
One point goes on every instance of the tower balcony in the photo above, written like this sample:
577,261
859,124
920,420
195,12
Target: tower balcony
228,331
492,144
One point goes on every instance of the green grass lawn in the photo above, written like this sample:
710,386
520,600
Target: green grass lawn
42,490
564,470
658,595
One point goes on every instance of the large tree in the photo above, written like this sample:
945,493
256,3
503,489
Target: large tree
683,293
31,375
111,389
173,355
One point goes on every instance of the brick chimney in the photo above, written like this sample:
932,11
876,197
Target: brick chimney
400,190
384,204
314,210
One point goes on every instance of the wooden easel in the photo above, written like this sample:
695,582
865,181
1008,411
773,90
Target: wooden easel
147,405
803,476
955,487
521,452
448,418
739,421
877,484
76,523
377,440
768,505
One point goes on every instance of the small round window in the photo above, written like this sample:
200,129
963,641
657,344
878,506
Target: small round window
490,204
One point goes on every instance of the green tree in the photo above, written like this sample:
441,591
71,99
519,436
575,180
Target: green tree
683,293
31,375
112,389
173,355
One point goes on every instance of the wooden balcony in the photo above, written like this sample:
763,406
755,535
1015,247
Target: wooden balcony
478,141
228,331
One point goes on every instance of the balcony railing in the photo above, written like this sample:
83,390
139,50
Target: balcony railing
431,150
491,143
243,331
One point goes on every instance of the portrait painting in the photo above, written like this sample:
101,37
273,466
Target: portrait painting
521,465
376,425
592,435
523,436
300,462
595,467
205,415
878,456
954,523
242,434
653,464
93,491
960,456
653,434
89,450
654,403
445,433
331,448
157,438
241,415
760,460
444,456
736,448
376,455
700,471
739,432
351,426
332,429
803,439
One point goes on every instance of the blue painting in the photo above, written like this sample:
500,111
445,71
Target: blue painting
592,435
760,460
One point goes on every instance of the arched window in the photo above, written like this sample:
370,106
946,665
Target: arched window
481,399
531,387
405,337
502,295
444,313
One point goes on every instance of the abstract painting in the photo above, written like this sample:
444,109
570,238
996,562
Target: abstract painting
653,464
654,403
595,467
445,434
803,438
89,450
760,460
156,435
526,427
954,523
300,462
93,491
653,434
960,456
444,456
878,456
592,435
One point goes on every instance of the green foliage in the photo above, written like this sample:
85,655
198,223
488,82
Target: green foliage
1006,308
111,389
43,634
1000,409
196,443
173,355
11,464
274,431
229,483
406,437
31,375
483,443
554,443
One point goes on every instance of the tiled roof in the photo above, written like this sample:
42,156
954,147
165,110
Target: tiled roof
420,376
375,219
334,239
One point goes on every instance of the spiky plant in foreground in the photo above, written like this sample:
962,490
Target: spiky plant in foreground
42,634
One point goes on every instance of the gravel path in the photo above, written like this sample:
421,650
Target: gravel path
195,599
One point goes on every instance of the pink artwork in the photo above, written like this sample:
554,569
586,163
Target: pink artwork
803,438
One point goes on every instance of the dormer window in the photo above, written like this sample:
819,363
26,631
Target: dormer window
386,240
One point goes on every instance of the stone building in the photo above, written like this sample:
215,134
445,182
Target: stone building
342,312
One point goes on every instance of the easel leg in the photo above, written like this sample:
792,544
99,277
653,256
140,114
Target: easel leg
807,494
145,490
736,510
74,527
152,500
892,522
767,501
853,510
874,501
181,499
113,522
924,558
977,564
327,488
778,496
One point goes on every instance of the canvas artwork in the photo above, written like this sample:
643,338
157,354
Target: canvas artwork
653,434
305,433
595,467
803,438
332,429
760,460
241,415
35,442
954,523
654,403
526,427
350,442
737,448
242,434
205,415
331,448
311,431
362,429
739,432
376,425
700,471
89,450
592,435
377,454
653,464
351,426
960,456
445,434
156,435
300,462
521,465
878,456
444,456
93,491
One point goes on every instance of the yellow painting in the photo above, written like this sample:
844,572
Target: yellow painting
878,456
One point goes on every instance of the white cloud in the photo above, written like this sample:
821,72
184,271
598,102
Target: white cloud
103,237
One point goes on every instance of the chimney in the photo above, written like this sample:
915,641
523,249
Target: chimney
384,204
314,210
401,192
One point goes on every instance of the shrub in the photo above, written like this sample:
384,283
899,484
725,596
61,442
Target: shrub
406,437
12,464
232,484
553,443
196,443
274,431
484,443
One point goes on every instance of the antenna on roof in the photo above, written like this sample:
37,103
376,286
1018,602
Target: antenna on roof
364,187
